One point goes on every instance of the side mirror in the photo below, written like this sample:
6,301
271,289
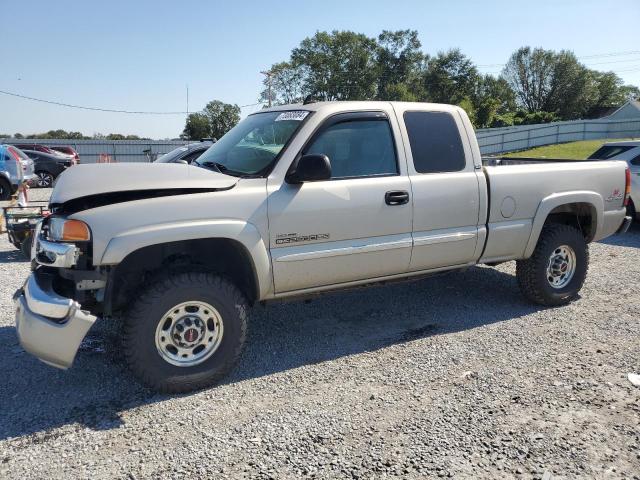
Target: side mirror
310,168
184,162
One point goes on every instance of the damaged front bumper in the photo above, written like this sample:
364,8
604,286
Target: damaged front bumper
49,326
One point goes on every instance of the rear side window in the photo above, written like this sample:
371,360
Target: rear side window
636,160
435,142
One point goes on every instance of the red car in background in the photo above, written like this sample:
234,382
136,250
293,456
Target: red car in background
67,150
35,147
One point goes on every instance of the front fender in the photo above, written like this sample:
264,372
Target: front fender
555,200
246,233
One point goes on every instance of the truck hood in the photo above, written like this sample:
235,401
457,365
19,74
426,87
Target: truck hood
111,178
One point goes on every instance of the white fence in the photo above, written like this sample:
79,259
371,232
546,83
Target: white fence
522,137
491,140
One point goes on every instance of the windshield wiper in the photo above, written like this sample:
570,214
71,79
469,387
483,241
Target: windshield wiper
224,169
217,166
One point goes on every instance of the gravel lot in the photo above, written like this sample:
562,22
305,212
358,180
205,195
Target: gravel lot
453,376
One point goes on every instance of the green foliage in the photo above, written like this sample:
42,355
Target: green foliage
548,81
196,127
400,65
467,105
287,84
450,77
216,119
53,134
340,65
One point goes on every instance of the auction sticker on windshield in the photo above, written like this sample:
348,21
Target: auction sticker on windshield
297,115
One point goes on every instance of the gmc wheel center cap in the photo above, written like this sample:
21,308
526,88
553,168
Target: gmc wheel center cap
191,335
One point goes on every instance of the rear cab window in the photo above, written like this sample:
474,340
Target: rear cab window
434,138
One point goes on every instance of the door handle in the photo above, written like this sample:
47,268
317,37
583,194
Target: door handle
396,197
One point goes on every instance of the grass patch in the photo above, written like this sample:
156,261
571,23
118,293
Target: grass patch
571,150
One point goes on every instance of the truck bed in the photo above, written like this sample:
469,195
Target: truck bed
518,187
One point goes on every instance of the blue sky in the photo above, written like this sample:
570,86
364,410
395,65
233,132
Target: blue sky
139,55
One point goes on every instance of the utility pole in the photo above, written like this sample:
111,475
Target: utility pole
268,75
187,121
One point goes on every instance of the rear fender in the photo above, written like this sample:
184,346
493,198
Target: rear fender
556,200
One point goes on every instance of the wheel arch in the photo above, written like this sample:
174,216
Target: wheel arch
580,209
235,249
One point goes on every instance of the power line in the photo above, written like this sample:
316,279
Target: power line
98,109
584,57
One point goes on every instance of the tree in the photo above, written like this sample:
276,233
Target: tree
196,127
216,119
609,91
556,82
450,77
400,66
571,91
287,84
338,66
529,73
493,97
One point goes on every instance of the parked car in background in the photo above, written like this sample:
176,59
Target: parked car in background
35,147
15,168
47,167
630,153
67,150
187,153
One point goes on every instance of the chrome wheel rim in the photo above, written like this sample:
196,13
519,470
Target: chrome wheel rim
561,266
189,333
44,180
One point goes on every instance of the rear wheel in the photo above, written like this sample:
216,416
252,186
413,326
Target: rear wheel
5,189
556,271
186,332
43,179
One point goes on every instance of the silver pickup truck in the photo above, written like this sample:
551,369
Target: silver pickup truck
293,201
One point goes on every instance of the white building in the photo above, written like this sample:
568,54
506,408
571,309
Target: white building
631,109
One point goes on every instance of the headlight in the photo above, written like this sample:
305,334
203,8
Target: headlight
63,230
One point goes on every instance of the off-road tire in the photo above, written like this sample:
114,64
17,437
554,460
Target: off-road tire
140,323
532,272
5,189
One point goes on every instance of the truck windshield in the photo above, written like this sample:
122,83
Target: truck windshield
250,147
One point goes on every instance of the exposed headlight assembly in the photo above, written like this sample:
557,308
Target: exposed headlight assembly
67,230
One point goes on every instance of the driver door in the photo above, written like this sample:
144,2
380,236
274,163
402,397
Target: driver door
347,228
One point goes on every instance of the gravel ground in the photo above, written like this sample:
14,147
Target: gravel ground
453,376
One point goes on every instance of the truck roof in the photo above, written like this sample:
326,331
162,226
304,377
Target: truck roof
357,105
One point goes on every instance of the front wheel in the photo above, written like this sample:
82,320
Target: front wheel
186,332
556,271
